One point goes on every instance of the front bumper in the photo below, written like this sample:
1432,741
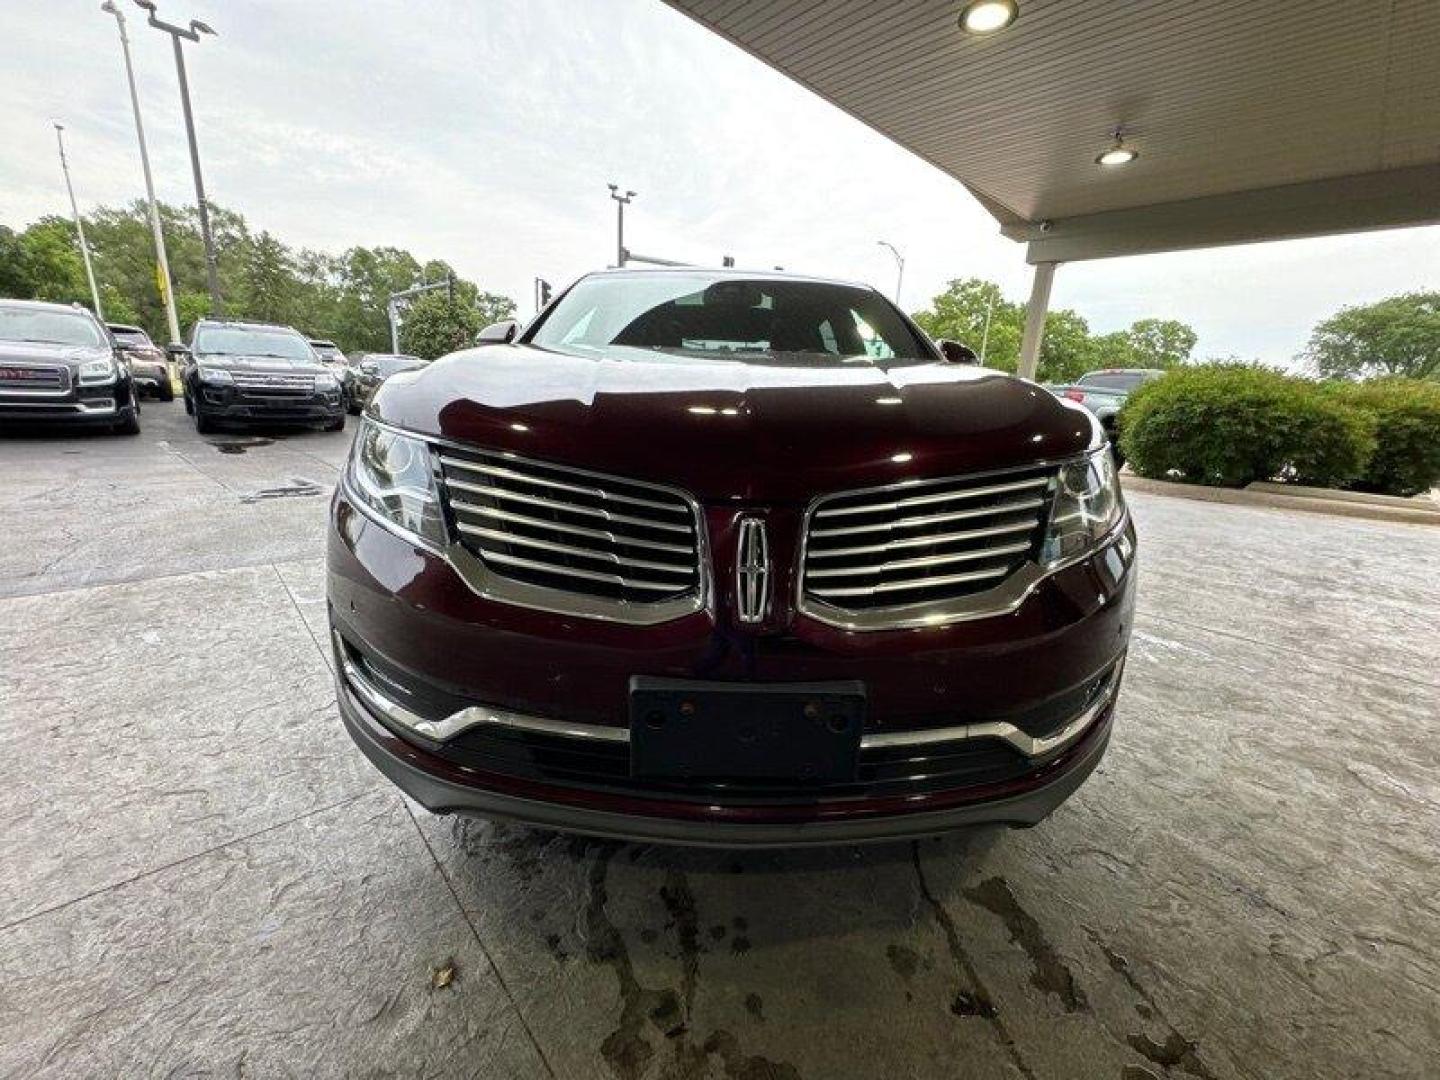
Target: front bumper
106,405
993,720
229,403
442,786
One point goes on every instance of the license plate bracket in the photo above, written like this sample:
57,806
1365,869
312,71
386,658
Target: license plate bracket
683,729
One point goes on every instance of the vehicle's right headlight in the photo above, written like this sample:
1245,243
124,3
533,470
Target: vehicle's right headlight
1087,506
97,372
391,475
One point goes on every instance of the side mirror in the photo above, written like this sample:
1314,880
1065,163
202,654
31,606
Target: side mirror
500,333
957,353
177,353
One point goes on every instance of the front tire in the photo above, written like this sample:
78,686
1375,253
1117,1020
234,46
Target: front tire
203,424
335,425
165,391
130,425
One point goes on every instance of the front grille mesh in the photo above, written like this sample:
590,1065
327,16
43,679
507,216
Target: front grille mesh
931,541
276,384
573,530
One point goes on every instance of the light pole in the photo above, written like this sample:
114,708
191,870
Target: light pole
162,275
621,201
900,265
212,274
985,337
79,226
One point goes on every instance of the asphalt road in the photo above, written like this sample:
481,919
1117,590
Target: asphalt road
202,875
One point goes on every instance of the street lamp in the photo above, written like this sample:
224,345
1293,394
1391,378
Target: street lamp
162,264
197,28
79,226
621,201
900,265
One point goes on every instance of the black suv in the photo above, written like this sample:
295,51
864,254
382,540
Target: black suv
58,363
245,372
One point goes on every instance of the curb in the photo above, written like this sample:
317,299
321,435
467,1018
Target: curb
1278,500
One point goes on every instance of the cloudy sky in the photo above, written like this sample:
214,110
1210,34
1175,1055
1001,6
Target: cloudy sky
485,134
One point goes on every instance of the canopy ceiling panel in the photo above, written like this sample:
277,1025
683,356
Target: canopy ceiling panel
1246,114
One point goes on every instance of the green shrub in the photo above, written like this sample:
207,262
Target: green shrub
1229,424
1405,416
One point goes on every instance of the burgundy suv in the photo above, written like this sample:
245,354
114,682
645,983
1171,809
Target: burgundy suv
728,558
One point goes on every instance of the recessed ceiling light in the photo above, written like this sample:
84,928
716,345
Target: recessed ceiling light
987,16
1118,153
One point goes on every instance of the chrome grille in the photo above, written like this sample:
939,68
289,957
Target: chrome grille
275,384
31,379
925,542
569,529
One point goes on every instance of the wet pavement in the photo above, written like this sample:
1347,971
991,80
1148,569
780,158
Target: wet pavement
202,875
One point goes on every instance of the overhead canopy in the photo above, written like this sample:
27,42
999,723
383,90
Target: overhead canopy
1255,120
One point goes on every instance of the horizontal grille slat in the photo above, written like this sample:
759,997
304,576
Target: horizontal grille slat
277,383
570,549
575,489
588,575
572,530
917,583
923,562
927,542
930,519
933,497
569,508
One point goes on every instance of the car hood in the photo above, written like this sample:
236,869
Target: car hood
258,363
724,429
36,352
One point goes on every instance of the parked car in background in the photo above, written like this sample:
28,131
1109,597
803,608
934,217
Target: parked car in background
58,363
1103,392
341,367
372,369
146,360
247,372
723,558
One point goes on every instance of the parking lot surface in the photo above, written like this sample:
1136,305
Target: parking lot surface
202,875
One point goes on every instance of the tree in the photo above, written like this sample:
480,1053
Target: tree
1159,343
341,297
960,313
1399,335
493,307
1067,350
435,325
14,273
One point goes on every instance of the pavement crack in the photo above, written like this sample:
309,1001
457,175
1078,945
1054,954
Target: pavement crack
974,999
1050,973
680,903
480,943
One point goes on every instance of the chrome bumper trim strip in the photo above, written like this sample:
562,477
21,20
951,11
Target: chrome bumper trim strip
485,716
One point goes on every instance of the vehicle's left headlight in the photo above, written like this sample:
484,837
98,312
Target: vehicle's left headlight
391,474
1087,506
97,372
325,382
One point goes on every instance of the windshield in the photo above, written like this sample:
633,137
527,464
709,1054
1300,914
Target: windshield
50,327
1113,380
725,317
252,341
129,336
